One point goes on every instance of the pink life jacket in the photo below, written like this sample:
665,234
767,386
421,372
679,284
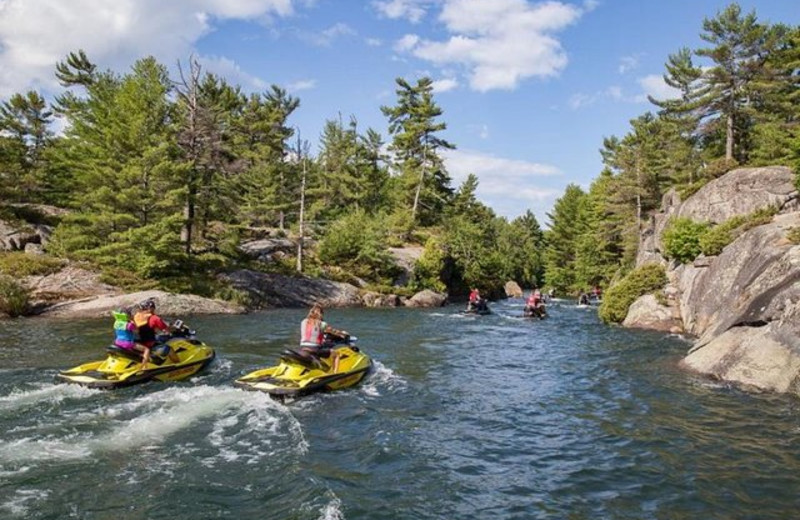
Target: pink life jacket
312,333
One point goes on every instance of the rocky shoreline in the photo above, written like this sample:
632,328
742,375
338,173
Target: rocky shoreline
741,306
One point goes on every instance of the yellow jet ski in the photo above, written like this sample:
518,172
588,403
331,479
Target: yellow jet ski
299,374
123,367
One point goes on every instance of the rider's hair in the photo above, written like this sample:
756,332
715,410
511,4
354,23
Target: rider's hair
315,313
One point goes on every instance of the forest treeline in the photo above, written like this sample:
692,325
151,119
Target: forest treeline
164,177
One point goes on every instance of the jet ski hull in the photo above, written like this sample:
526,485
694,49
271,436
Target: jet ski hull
122,368
295,377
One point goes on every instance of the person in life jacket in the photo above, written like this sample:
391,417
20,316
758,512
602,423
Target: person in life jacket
312,336
475,300
125,330
148,323
533,302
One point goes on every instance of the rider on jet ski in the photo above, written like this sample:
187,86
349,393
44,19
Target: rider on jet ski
148,323
312,336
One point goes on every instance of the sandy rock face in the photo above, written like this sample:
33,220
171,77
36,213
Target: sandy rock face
426,298
647,313
742,305
167,304
268,290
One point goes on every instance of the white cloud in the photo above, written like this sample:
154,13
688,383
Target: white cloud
509,186
628,63
406,43
443,85
581,99
326,37
653,85
229,69
412,10
305,84
36,34
499,43
374,42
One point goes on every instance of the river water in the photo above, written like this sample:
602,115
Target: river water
492,417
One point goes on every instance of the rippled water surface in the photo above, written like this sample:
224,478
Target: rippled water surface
490,417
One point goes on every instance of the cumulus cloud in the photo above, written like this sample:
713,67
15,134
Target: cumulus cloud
628,63
304,84
580,100
510,186
445,84
653,85
411,10
499,43
326,37
36,34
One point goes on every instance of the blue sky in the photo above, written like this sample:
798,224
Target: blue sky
529,89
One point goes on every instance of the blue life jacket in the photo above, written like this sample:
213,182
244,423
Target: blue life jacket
121,332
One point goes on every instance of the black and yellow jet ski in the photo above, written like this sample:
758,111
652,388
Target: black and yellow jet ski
123,367
298,374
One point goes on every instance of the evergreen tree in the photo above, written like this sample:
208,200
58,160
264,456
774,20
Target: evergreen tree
24,135
121,147
739,50
416,145
562,239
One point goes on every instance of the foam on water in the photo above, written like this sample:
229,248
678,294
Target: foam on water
150,420
47,392
332,510
382,377
20,504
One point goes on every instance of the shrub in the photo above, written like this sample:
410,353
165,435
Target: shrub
619,297
682,239
14,297
719,167
794,235
715,239
357,242
18,264
428,268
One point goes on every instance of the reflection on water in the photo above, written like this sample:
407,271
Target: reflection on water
463,417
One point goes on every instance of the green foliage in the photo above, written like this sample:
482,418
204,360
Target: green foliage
715,239
14,297
567,223
619,297
18,264
681,239
357,241
427,273
719,167
794,235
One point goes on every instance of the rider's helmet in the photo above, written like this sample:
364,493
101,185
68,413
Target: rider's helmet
148,304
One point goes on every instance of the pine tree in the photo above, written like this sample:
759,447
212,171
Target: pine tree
24,135
416,145
562,239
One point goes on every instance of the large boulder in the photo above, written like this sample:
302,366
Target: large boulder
766,358
647,313
740,192
748,283
426,298
167,304
513,290
405,258
268,249
742,305
275,290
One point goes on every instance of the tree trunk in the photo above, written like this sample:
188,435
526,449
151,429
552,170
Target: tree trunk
302,220
419,185
729,138
188,221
